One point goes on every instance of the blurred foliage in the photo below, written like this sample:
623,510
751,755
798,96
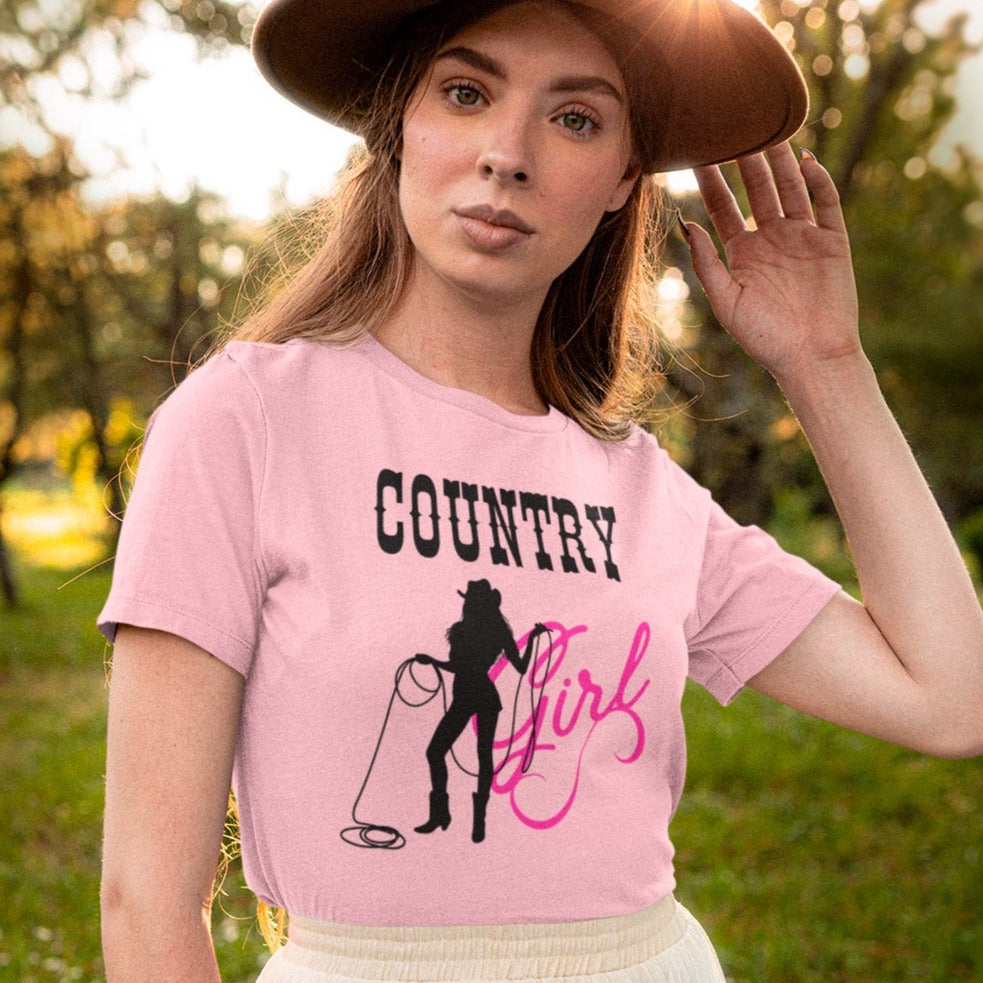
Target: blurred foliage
881,92
96,301
970,533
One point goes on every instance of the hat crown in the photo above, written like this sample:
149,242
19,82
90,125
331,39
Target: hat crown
481,590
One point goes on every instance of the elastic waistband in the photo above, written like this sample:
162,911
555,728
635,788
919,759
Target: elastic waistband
485,952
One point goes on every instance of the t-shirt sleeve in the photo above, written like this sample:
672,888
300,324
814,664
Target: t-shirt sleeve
753,599
188,559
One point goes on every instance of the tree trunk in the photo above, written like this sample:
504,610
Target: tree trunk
10,593
15,350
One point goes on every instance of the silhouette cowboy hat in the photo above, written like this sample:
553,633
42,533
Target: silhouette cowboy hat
708,80
481,590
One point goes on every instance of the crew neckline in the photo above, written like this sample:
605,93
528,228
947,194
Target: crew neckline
382,358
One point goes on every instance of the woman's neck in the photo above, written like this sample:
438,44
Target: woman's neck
467,343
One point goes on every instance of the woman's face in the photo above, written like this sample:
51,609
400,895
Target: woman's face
515,144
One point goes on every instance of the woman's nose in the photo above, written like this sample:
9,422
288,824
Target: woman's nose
507,156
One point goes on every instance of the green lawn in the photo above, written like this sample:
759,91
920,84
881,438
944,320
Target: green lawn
52,741
810,853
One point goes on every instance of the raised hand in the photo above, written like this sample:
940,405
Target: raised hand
787,292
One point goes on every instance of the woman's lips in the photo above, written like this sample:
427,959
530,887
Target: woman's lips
491,228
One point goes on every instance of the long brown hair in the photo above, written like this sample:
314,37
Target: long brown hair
595,348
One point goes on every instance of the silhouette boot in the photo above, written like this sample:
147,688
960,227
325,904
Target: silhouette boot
478,829
439,813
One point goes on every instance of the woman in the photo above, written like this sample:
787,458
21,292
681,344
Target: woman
443,390
476,641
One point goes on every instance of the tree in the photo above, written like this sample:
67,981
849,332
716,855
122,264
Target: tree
75,280
880,96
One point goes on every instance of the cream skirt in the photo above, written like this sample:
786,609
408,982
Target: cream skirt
663,943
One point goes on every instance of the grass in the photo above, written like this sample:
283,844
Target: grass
53,692
810,853
815,854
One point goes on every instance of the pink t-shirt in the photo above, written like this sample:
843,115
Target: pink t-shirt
314,516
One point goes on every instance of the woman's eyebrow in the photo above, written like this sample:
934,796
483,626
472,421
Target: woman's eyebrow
475,59
586,83
566,83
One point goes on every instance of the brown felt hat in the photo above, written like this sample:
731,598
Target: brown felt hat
717,83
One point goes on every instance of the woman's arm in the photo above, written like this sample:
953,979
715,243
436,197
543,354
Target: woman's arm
907,664
173,721
512,649
431,661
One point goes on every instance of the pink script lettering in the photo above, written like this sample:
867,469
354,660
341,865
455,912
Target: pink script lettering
552,728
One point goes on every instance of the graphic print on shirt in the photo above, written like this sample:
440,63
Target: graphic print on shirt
420,514
476,642
482,647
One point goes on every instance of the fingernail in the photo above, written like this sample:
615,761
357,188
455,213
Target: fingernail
683,227
808,155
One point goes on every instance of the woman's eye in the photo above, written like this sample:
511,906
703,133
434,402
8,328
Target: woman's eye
464,95
578,122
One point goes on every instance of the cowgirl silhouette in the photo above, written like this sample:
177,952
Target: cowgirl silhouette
476,641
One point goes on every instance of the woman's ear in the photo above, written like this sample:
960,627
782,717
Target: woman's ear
624,187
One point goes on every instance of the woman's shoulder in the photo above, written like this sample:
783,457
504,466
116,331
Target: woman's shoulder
654,461
294,361
640,450
289,377
253,379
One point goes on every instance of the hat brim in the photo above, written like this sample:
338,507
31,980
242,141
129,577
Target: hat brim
722,85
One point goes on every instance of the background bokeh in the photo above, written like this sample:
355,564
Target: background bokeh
151,185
